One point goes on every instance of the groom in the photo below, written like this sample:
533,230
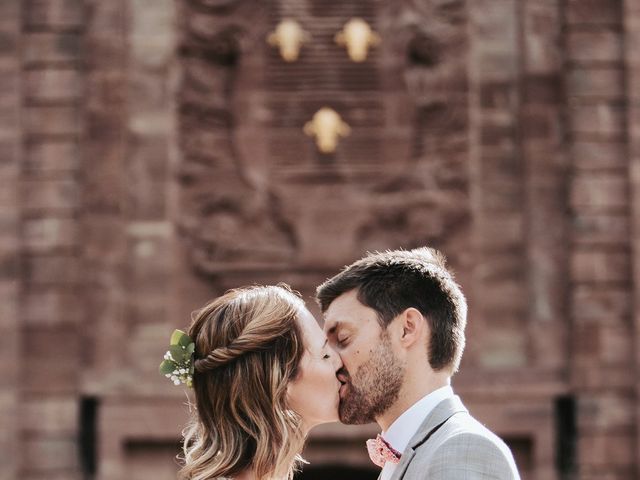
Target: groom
397,320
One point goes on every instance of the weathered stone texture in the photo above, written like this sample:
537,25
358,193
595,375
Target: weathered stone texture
152,156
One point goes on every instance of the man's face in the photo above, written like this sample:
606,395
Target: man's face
372,374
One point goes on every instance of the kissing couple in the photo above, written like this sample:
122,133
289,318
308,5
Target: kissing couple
264,374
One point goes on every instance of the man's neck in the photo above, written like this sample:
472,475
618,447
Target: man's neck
411,392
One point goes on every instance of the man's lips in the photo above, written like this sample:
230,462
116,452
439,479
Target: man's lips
342,389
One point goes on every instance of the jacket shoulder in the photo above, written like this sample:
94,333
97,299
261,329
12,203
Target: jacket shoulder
464,448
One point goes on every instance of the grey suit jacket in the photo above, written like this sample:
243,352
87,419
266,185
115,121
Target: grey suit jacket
451,444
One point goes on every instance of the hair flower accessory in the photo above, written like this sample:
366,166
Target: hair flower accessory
178,361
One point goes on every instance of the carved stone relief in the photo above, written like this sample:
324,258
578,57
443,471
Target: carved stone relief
255,192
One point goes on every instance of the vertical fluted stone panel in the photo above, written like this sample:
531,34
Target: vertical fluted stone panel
11,157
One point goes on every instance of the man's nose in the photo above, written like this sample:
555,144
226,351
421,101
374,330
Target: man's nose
337,363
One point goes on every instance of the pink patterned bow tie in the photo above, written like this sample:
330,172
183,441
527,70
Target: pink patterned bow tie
381,452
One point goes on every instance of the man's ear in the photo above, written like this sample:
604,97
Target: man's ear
414,327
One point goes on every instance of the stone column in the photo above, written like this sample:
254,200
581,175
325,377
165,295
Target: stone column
602,346
10,275
631,16
52,307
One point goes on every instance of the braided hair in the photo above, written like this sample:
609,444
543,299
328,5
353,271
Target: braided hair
248,348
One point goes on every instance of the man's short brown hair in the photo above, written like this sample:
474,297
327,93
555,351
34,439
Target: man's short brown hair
392,281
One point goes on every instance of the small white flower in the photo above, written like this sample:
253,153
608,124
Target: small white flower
176,382
176,372
168,375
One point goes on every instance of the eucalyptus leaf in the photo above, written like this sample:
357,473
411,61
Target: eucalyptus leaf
167,366
176,337
177,353
185,340
191,348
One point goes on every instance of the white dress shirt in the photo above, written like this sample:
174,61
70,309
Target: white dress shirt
407,424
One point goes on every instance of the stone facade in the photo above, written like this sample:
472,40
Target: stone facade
153,156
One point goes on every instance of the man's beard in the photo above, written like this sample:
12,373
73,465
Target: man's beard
377,387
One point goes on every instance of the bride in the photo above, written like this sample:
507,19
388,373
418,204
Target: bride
263,375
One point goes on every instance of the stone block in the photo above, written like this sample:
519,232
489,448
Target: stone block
47,270
52,47
604,410
592,265
543,89
508,266
52,156
541,123
57,195
595,155
504,348
506,298
147,200
604,305
617,346
598,119
50,415
10,10
591,375
587,342
50,453
601,45
596,82
10,157
9,228
104,243
9,264
53,120
9,193
503,231
594,12
10,80
148,262
66,474
53,85
47,234
500,197
51,307
591,192
601,229
51,359
542,30
611,449
9,40
58,14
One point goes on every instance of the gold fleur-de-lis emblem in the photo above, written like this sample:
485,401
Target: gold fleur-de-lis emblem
357,36
289,36
327,127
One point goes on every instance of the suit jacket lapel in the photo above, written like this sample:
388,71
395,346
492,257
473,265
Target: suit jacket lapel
438,416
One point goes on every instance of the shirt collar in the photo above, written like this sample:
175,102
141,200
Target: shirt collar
407,424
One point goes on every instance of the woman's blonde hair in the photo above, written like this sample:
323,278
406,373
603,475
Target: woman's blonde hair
248,348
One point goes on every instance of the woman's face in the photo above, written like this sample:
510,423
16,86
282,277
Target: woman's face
314,394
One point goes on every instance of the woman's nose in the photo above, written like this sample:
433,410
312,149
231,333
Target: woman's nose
337,360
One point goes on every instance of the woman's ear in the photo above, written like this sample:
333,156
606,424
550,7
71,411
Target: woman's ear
414,327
